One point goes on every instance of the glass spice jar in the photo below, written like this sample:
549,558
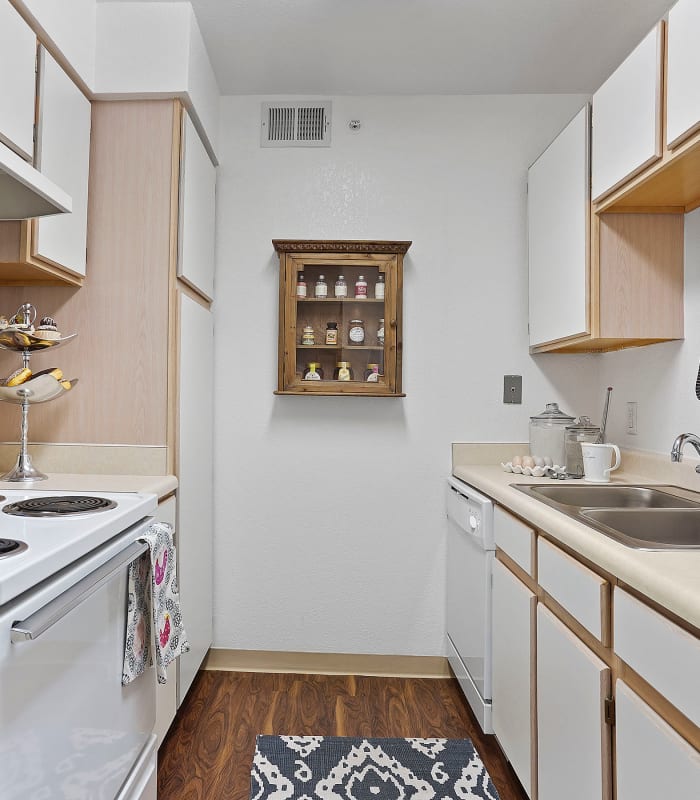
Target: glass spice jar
341,287
379,287
307,335
356,334
301,285
343,371
321,287
372,373
361,288
331,333
380,333
313,372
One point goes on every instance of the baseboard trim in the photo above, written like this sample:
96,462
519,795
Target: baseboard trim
327,663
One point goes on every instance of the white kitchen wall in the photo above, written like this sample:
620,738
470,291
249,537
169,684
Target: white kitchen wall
329,527
660,378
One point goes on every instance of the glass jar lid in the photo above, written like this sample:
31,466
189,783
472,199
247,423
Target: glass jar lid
343,364
552,413
583,425
359,322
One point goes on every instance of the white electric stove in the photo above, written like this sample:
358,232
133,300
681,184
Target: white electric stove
68,728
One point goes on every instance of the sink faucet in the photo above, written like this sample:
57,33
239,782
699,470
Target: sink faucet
677,449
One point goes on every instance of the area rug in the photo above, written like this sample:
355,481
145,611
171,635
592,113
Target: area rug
345,768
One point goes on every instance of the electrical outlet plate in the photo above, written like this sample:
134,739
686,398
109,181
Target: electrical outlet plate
513,389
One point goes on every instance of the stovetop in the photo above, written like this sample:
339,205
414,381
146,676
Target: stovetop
50,543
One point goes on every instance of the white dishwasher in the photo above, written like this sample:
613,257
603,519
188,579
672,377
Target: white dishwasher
470,554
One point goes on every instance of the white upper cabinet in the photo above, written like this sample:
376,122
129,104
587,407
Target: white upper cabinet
197,213
558,230
627,117
17,81
63,155
682,87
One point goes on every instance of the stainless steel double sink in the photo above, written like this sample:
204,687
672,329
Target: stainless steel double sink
642,517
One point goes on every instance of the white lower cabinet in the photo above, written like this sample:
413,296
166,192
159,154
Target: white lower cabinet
573,743
195,477
513,704
652,760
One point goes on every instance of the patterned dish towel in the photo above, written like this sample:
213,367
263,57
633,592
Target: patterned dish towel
154,605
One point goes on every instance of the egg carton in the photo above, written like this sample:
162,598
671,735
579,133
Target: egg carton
554,471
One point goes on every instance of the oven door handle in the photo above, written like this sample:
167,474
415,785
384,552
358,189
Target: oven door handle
33,626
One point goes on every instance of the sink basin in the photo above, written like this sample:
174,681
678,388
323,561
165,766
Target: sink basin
655,529
613,497
643,517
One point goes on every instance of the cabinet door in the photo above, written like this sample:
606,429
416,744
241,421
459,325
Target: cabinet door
17,81
63,155
166,693
513,704
682,92
627,117
651,759
197,213
558,235
195,476
573,741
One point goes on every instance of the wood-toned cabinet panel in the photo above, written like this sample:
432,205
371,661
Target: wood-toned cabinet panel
682,94
573,741
652,760
17,81
121,313
627,117
513,698
558,235
63,155
196,234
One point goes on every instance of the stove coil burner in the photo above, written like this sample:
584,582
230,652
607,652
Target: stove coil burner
11,547
69,505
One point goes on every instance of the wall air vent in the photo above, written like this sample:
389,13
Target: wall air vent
296,124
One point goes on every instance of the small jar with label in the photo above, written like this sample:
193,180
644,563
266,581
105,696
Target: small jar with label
380,333
301,285
313,372
361,288
341,287
331,333
379,287
343,371
321,287
356,334
307,335
372,373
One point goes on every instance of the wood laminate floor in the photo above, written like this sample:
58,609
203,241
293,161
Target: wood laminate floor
209,749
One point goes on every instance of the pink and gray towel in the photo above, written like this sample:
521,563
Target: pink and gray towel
154,606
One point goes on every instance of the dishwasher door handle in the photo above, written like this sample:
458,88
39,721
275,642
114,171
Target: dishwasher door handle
33,626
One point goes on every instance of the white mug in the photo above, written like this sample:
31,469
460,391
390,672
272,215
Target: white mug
596,461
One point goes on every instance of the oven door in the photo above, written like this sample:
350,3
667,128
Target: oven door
68,728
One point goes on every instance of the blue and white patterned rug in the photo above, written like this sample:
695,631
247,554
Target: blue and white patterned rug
344,768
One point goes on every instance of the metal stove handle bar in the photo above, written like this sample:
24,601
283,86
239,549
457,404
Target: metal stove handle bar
53,612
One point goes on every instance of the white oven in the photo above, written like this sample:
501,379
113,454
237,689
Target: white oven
470,554
68,728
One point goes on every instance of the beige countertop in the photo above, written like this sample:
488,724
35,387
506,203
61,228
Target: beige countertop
670,578
162,485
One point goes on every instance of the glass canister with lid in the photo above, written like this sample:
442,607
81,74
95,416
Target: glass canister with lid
548,432
581,431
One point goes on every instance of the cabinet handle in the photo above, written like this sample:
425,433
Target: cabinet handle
392,323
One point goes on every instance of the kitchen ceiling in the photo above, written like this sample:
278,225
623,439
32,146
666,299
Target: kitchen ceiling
420,46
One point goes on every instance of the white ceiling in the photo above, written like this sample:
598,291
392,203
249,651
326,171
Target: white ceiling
420,46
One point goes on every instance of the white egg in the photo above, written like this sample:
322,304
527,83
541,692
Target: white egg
516,461
547,461
539,461
528,461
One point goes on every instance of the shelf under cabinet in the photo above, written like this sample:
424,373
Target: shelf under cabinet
347,347
339,300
